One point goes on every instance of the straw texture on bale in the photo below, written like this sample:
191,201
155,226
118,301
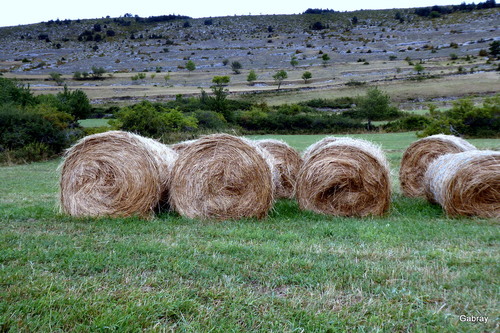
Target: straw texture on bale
287,162
466,183
346,177
420,154
179,147
115,174
221,177
317,145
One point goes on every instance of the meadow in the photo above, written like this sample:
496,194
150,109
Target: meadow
412,270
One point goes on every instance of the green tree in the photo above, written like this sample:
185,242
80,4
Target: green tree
294,62
190,66
374,106
236,67
306,76
57,77
495,48
279,77
218,102
419,68
97,72
12,92
325,57
252,76
152,120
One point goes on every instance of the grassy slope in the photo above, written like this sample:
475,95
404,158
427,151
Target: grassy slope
294,271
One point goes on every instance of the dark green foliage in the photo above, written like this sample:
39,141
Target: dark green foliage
337,103
374,106
318,26
407,123
20,128
495,49
467,119
32,128
13,92
236,66
75,103
293,119
209,120
437,11
152,120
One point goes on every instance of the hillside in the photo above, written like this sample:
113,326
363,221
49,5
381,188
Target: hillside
382,39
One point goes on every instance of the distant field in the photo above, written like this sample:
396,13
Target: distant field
94,122
295,271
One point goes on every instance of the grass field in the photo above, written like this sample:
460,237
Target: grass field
94,122
414,270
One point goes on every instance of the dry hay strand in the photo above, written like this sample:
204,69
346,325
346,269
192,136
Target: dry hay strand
317,145
179,147
420,154
346,177
115,174
287,162
466,183
222,177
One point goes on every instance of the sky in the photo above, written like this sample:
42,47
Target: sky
16,12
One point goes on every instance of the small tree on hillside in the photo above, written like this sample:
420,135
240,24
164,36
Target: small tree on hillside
219,101
325,57
306,76
294,62
236,67
374,106
190,66
279,77
97,72
495,49
57,77
419,68
252,76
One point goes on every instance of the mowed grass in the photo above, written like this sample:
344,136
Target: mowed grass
94,122
413,270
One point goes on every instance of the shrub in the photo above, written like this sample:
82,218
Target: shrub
467,119
375,105
407,123
152,120
210,120
75,103
14,92
236,67
20,128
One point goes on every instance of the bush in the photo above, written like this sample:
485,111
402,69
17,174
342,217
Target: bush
210,120
13,92
337,103
467,119
75,103
21,129
374,106
290,119
408,123
152,120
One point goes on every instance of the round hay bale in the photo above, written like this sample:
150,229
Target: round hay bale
221,177
115,174
420,154
346,177
179,147
466,183
317,145
287,162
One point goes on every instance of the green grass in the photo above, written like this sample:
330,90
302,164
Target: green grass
94,123
413,270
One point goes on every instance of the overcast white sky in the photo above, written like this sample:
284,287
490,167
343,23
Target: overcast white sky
15,12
